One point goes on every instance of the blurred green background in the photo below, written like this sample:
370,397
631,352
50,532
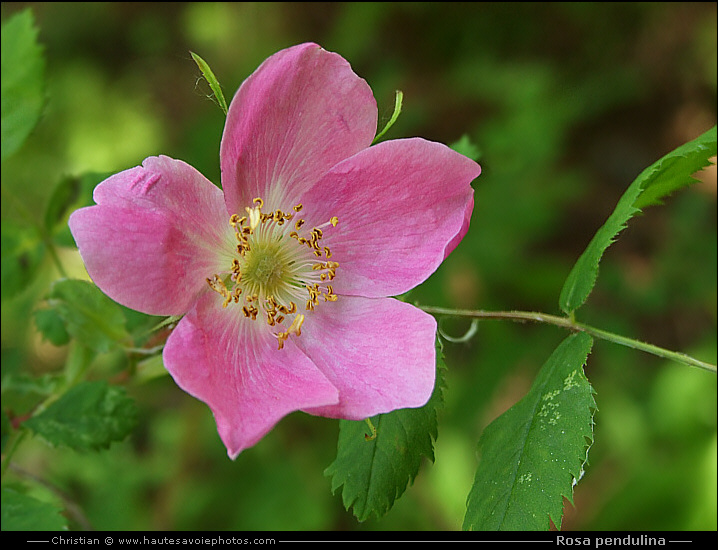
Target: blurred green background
566,102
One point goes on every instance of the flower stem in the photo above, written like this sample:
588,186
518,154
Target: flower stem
571,324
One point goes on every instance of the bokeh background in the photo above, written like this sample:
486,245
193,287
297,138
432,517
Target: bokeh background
566,103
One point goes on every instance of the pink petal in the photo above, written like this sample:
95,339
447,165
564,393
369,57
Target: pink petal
379,353
233,364
157,232
402,206
302,111
464,228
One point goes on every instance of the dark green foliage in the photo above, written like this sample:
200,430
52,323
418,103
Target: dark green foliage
88,315
88,416
532,455
375,469
21,512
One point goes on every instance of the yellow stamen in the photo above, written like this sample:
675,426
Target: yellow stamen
255,216
269,275
294,328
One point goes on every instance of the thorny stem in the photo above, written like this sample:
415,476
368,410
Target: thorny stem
571,324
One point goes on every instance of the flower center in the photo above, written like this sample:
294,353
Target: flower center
276,268
263,267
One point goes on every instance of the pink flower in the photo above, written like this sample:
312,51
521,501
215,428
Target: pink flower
283,279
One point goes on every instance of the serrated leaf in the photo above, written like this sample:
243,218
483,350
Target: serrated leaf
532,455
21,253
89,416
675,170
670,173
23,387
373,473
23,85
91,317
24,513
51,326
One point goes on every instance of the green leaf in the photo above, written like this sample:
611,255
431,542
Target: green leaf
675,170
21,253
51,326
533,454
211,80
150,369
24,513
23,85
21,392
89,416
666,175
466,147
375,472
96,321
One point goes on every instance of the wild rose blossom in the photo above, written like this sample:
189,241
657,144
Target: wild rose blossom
284,278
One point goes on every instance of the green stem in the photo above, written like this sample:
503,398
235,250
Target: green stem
41,230
55,258
571,324
19,436
372,435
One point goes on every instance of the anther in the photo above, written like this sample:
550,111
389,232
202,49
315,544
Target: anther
294,328
255,216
